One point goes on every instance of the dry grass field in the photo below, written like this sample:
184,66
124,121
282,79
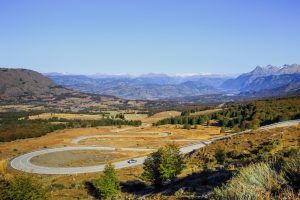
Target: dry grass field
64,137
206,112
167,114
6,108
67,116
161,115
166,132
82,158
133,116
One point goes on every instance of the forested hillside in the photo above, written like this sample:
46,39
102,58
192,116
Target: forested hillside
241,116
13,127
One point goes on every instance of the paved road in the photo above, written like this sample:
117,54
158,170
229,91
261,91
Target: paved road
79,139
144,135
23,163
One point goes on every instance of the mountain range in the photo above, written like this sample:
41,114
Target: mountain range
262,78
144,87
262,81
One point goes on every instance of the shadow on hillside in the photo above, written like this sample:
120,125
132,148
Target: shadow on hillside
197,183
92,190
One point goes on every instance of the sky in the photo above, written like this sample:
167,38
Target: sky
144,36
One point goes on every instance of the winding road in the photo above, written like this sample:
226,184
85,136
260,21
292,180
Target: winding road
79,139
23,163
161,134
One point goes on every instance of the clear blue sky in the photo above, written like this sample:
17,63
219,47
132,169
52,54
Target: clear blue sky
141,36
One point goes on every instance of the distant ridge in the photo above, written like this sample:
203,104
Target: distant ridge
264,78
144,87
163,86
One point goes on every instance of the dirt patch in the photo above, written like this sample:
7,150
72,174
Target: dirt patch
80,158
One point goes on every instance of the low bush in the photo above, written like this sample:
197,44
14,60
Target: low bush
250,183
21,187
220,155
292,168
4,188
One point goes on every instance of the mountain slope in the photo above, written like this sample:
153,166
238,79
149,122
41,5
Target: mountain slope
266,78
288,89
22,86
20,82
271,82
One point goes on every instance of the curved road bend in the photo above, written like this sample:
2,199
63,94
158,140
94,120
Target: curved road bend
79,139
22,162
147,134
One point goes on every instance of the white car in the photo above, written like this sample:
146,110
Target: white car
131,161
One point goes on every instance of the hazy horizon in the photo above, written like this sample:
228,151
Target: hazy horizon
184,74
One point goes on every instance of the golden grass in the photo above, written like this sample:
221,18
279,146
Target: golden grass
86,116
155,137
135,116
251,181
55,139
63,137
6,108
161,115
206,112
3,166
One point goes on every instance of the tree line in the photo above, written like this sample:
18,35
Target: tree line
13,128
243,116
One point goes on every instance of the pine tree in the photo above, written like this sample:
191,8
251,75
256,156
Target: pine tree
171,163
108,184
163,165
